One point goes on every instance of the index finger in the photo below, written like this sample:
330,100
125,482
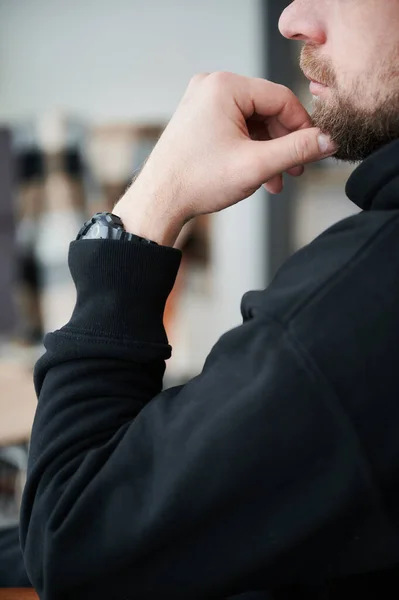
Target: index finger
265,98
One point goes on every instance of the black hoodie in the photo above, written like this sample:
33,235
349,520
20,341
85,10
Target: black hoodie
277,468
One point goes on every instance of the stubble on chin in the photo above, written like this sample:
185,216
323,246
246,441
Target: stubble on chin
357,130
362,120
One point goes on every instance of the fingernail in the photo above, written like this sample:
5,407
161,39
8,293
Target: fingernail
326,145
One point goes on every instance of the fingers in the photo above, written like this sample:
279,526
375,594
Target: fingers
296,171
268,99
288,152
277,130
257,96
260,129
274,185
264,130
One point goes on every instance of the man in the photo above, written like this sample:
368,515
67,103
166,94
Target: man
276,468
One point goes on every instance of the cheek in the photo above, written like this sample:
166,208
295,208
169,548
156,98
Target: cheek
364,49
358,72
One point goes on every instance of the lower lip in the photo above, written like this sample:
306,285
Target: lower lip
317,88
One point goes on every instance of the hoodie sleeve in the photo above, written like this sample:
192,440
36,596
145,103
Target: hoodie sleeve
247,477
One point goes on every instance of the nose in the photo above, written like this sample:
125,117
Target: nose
301,21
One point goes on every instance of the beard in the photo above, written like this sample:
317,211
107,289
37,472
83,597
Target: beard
358,131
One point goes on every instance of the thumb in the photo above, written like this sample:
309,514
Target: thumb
298,148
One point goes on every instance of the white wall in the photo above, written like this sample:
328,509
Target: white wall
120,60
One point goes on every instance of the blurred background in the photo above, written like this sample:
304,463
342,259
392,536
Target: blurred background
86,88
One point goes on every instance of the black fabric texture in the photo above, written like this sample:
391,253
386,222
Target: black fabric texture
275,469
12,569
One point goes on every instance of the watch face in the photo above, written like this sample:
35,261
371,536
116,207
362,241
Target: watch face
94,232
106,226
103,226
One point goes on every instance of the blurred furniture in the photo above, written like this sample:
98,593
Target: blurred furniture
115,153
18,594
17,403
13,467
7,238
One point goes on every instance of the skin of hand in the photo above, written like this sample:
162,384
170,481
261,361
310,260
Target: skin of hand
229,136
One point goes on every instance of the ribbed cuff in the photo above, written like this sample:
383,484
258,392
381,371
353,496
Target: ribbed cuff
122,288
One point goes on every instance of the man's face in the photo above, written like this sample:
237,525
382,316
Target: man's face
352,47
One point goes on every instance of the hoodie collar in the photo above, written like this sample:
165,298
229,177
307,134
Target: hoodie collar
374,185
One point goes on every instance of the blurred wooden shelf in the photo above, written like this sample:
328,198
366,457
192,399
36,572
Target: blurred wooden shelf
18,594
17,403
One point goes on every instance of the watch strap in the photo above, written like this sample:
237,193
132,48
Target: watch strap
107,226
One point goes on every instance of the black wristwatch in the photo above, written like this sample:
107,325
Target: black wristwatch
106,226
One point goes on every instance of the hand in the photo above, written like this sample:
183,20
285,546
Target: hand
229,136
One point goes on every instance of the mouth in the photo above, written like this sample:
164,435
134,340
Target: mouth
316,87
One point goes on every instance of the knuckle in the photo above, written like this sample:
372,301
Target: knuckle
285,91
198,78
216,85
220,78
302,149
288,98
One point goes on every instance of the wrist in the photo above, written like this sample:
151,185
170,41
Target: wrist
147,215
